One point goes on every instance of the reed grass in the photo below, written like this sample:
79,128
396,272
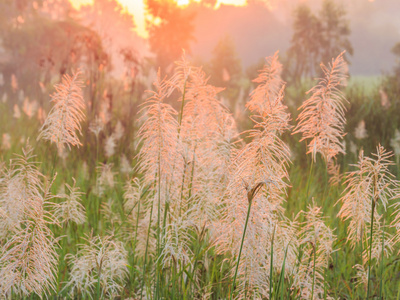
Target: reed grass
201,211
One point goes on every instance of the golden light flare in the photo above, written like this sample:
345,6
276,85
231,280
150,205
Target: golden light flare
137,9
182,2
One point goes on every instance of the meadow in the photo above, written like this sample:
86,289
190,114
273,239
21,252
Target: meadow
168,194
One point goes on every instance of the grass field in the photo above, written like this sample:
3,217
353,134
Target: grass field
174,203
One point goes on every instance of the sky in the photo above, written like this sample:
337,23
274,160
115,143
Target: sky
137,9
259,31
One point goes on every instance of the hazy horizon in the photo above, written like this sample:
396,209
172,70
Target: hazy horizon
259,30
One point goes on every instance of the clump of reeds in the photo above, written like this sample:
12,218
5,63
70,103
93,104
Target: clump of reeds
28,257
252,215
369,188
316,246
180,159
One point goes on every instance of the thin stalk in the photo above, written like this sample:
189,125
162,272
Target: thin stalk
382,262
134,206
145,253
325,284
97,154
398,293
163,230
271,264
173,282
180,123
192,172
313,280
197,253
300,257
158,218
282,276
182,186
183,104
370,246
326,185
54,163
98,293
241,247
96,203
335,271
136,229
308,183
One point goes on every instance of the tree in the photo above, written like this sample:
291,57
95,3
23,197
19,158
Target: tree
396,52
41,48
335,30
305,44
113,24
226,67
316,39
170,30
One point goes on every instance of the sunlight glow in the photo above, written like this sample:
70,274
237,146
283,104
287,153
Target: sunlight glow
182,2
137,9
78,3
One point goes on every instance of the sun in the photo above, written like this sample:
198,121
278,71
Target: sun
182,2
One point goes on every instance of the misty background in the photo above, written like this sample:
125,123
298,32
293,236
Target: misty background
259,31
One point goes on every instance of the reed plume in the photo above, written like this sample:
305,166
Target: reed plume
105,178
70,210
133,193
207,131
99,266
371,185
322,117
134,208
96,126
63,121
20,187
158,134
269,84
333,169
109,147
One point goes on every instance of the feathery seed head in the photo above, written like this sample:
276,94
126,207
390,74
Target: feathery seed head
101,260
96,126
71,209
372,181
322,117
63,120
28,257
